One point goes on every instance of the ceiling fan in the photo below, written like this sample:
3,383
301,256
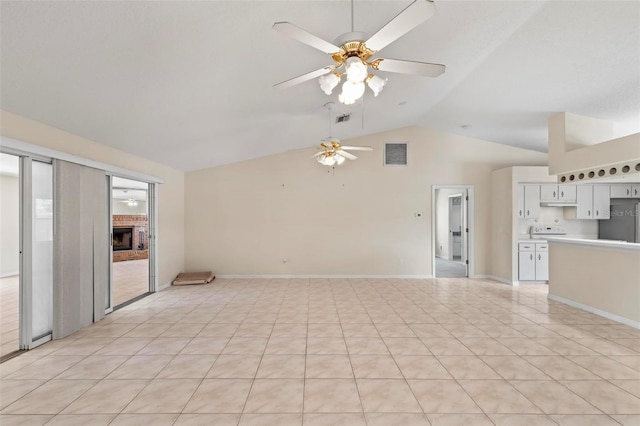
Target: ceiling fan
353,50
332,152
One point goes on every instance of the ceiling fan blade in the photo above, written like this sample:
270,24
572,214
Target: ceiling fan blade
415,14
346,154
302,78
358,148
305,37
410,67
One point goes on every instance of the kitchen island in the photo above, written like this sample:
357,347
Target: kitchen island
599,276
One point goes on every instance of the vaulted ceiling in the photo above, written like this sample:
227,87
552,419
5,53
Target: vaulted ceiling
189,84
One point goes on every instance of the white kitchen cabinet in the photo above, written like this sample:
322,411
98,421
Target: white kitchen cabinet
533,262
528,201
602,201
584,203
550,193
625,190
520,201
542,262
527,265
592,202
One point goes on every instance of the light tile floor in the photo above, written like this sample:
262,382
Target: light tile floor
334,352
130,279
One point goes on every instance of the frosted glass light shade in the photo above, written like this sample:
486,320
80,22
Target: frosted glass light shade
328,82
356,70
376,84
351,92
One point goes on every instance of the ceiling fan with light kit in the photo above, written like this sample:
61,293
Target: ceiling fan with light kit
332,152
353,51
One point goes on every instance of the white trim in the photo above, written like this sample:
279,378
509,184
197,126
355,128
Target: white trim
325,276
24,148
598,244
605,314
495,278
163,286
470,225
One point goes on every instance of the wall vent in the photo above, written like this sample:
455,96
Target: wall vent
395,154
342,118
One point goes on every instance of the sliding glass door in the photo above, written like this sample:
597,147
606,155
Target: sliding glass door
36,252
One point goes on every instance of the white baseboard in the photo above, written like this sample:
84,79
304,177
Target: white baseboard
605,314
267,276
495,278
163,286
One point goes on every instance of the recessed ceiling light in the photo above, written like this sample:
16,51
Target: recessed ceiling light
465,126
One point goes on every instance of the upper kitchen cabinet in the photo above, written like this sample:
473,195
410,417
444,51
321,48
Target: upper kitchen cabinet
528,201
550,193
625,190
592,202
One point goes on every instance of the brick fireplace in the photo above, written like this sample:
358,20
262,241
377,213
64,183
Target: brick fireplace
130,237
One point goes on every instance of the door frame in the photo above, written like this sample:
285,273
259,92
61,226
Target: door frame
470,245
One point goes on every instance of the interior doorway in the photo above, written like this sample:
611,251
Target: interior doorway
130,236
452,213
9,253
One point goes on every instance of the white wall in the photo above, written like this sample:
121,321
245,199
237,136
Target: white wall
245,218
171,193
9,225
121,207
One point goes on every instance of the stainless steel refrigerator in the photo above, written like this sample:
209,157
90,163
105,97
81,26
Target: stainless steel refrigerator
624,224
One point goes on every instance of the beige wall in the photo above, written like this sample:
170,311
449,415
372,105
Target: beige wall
9,225
246,218
502,224
581,143
171,193
604,279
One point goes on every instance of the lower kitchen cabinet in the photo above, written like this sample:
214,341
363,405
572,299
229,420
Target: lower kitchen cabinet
533,262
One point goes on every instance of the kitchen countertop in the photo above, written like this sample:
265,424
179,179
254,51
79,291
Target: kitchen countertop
618,245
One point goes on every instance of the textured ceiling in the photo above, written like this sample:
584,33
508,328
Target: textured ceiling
188,84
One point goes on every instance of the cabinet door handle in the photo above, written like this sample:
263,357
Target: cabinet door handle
627,191
531,257
520,214
562,194
588,212
597,212
528,214
554,194
539,257
635,191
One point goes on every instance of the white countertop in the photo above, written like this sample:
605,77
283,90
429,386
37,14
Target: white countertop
618,245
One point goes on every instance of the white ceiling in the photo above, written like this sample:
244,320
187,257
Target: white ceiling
188,84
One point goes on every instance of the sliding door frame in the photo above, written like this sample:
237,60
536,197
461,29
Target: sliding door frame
152,208
26,254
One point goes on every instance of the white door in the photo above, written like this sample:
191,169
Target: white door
531,201
584,202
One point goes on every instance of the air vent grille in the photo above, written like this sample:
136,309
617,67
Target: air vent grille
342,118
395,154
